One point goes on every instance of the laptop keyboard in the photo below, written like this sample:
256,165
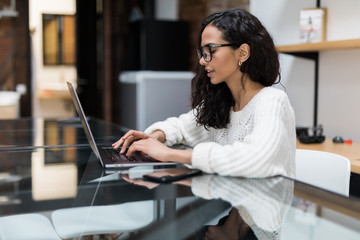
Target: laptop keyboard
115,156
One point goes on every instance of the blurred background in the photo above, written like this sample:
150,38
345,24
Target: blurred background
121,56
45,43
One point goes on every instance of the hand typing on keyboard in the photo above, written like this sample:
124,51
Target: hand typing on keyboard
151,146
116,156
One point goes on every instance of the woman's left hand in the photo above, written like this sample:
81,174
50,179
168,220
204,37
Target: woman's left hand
128,138
151,147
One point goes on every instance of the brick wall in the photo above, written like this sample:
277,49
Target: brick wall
195,11
15,53
6,51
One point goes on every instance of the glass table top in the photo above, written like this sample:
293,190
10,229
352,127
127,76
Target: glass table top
60,191
66,190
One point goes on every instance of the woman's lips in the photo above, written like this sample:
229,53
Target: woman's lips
209,73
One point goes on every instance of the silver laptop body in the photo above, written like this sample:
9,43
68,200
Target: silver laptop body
109,158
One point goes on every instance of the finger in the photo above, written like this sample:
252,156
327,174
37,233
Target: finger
131,150
126,178
118,143
126,143
135,147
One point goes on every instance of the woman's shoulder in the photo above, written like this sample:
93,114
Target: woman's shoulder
273,96
273,93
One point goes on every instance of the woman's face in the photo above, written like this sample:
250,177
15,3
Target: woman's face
224,65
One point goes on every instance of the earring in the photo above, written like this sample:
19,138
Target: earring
240,63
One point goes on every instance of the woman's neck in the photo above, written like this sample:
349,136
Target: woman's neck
242,96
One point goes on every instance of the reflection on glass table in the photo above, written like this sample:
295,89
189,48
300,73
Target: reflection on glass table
203,207
38,132
30,177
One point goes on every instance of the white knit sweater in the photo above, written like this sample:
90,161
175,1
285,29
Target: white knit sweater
259,141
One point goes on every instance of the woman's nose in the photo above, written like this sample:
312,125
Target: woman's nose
202,61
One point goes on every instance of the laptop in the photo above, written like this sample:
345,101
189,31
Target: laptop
109,157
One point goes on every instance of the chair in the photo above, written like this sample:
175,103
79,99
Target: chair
80,221
119,218
323,169
27,226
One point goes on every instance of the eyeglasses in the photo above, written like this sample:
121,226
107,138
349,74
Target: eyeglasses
205,51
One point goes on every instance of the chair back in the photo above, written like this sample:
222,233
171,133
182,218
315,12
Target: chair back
103,219
323,169
29,226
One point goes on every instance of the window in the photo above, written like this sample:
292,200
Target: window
58,39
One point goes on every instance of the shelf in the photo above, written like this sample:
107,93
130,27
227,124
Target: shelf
311,51
319,46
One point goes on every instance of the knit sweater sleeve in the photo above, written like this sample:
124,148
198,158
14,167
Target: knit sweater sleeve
267,151
182,129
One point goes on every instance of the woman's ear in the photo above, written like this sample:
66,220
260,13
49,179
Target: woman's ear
244,52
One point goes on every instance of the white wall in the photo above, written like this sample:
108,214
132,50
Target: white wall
339,82
281,18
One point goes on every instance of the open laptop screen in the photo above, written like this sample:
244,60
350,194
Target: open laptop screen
84,122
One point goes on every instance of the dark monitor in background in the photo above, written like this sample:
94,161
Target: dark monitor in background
158,45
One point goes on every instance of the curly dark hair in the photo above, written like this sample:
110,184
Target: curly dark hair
213,102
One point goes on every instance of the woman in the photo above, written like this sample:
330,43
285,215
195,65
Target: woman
239,124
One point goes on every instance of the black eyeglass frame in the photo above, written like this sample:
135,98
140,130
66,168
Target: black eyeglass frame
201,54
